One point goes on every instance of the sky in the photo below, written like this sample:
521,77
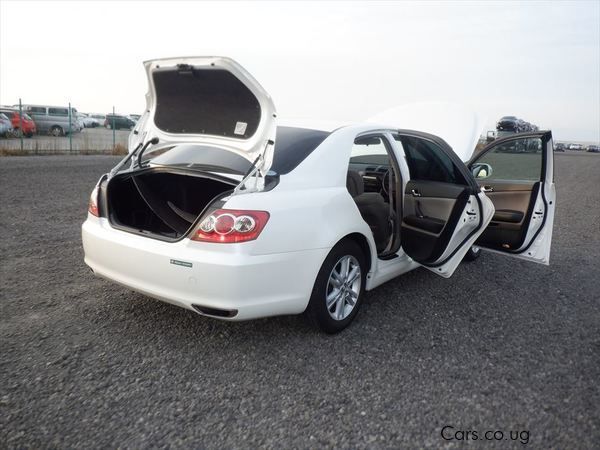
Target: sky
337,61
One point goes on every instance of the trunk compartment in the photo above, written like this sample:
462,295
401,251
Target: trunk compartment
161,203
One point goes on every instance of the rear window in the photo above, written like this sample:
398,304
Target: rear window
37,109
198,157
204,101
293,145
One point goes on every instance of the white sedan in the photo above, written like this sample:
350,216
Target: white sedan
89,121
221,210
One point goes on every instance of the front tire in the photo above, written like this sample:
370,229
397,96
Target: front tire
57,131
339,287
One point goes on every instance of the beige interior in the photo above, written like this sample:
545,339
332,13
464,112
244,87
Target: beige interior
510,196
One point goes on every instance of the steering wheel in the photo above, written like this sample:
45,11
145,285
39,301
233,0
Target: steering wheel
385,180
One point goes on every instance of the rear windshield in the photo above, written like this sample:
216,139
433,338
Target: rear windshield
292,146
198,157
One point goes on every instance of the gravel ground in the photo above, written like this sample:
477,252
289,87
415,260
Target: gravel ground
502,345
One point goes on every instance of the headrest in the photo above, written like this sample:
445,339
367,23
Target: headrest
355,184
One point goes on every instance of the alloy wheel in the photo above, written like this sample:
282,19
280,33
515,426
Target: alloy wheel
343,287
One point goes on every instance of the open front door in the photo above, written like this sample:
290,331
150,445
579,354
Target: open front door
444,211
516,174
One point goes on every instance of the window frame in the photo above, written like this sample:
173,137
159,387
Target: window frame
446,150
544,135
513,139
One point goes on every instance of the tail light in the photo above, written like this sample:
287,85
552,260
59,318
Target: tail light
229,226
93,203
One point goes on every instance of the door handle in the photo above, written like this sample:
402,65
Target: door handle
415,193
488,189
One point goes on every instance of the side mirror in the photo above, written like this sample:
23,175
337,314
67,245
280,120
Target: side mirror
491,135
481,170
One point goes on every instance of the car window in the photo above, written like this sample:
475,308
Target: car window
519,159
370,150
37,109
427,161
200,157
293,145
58,111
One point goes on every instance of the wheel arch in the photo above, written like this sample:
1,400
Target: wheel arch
362,241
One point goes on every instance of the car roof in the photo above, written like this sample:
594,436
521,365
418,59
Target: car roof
321,125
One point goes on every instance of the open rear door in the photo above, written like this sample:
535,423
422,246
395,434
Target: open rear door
444,211
516,173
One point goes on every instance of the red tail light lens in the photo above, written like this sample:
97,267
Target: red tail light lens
93,203
229,226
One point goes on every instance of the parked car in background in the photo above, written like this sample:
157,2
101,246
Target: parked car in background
53,120
79,118
135,117
508,123
89,121
119,122
559,147
512,124
575,147
29,127
99,117
6,127
593,148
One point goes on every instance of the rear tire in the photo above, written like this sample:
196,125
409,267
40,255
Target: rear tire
473,253
338,291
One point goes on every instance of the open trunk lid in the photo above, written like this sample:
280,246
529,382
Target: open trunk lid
207,100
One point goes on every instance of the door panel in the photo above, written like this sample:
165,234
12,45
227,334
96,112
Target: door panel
430,213
516,175
513,205
443,212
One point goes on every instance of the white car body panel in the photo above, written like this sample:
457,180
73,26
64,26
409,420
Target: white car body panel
263,285
456,124
310,212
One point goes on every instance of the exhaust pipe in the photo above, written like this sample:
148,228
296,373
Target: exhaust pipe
215,312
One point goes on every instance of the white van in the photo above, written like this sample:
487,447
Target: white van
53,120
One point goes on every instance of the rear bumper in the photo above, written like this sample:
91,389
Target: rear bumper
187,273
